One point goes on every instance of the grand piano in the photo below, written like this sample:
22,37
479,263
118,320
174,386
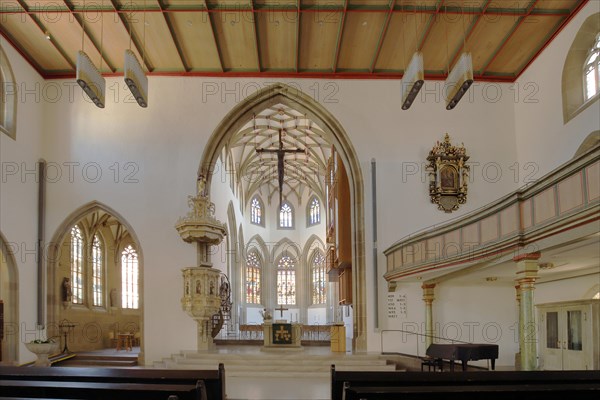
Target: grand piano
463,352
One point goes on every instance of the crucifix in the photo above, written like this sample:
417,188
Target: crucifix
281,310
281,152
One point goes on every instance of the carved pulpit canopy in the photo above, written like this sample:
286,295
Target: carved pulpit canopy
448,175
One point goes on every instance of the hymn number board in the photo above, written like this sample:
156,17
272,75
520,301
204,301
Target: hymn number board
282,333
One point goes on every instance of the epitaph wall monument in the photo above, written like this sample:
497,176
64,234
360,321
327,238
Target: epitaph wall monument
201,298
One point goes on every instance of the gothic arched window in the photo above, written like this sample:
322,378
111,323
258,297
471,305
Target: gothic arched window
286,281
252,278
314,211
129,278
97,272
319,279
591,70
256,211
77,265
286,216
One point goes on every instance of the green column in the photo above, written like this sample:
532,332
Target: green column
428,297
527,269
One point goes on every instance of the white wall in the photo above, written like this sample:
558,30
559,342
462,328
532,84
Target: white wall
542,137
19,188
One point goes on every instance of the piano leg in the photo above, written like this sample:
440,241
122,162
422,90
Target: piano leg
464,365
493,364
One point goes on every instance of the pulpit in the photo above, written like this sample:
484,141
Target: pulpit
282,335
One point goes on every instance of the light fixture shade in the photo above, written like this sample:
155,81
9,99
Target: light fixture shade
459,80
412,80
90,79
136,79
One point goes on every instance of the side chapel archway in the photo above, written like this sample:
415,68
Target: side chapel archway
54,301
280,93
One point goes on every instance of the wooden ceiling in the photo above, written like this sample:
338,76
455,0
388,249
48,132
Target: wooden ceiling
285,38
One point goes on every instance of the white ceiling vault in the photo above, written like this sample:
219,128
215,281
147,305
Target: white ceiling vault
304,173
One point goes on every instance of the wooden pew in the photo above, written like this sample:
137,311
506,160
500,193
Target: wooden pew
356,385
112,383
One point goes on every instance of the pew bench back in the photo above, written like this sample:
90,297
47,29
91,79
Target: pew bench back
350,385
112,383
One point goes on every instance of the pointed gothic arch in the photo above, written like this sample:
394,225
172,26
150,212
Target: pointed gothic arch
8,97
54,256
9,293
280,93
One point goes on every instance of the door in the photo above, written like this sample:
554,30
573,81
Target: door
573,339
551,341
564,338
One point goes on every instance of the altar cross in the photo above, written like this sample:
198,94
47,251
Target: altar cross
281,151
281,310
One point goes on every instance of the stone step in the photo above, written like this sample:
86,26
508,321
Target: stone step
283,362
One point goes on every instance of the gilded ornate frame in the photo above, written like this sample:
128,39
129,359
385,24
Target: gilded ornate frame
448,175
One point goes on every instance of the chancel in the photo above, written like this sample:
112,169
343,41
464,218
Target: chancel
303,190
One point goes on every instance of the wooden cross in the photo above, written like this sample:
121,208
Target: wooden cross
281,310
280,161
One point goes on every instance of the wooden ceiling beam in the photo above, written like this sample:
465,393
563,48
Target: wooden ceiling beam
507,38
572,14
50,38
429,25
98,47
479,17
10,39
255,29
384,29
298,21
133,38
176,42
214,35
339,38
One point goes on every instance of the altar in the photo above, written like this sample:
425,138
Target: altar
282,335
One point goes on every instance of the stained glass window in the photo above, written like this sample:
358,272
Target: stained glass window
129,278
286,218
256,211
77,265
314,212
591,70
286,281
319,279
253,278
97,272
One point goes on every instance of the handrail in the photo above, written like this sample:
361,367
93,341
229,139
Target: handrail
417,334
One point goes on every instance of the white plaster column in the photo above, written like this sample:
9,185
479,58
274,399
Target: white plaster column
428,297
527,273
